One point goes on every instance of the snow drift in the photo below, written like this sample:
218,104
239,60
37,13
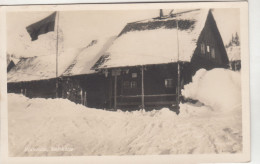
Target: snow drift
218,88
58,127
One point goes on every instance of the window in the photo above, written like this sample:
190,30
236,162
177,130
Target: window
126,84
168,83
134,75
129,84
208,48
213,53
133,84
202,47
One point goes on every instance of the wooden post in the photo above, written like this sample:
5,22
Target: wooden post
178,65
115,94
142,70
57,52
85,98
178,85
81,97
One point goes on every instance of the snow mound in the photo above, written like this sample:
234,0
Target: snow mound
218,88
59,127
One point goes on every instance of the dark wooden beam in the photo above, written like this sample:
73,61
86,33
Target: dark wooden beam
142,69
178,86
115,94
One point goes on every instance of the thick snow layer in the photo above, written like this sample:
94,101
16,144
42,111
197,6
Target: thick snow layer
233,53
53,127
149,47
218,88
156,46
41,67
88,56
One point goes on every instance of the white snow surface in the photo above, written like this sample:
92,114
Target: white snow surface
218,88
58,127
41,67
88,56
156,46
233,53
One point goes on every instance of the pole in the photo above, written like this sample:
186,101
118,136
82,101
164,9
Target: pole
115,94
142,69
178,65
57,44
57,52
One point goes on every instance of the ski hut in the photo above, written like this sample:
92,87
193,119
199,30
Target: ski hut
36,76
144,63
80,83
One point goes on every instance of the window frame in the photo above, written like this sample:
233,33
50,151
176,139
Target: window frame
132,84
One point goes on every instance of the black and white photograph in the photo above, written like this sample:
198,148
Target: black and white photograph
126,82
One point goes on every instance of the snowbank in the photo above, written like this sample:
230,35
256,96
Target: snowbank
218,88
54,127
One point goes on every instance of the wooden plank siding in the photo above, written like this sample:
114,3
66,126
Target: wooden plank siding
88,90
34,89
155,91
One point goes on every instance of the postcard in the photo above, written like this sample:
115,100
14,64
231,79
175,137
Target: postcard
132,82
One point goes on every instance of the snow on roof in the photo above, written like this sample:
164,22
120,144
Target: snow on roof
154,41
40,67
233,53
88,56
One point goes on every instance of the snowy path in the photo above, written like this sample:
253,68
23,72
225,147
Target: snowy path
40,127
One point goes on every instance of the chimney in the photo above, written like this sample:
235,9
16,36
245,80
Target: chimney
161,13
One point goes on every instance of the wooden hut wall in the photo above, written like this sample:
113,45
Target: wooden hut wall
34,89
210,52
88,90
160,82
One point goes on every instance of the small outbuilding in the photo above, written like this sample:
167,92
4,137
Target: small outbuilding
234,58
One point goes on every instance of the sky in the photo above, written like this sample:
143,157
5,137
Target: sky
78,28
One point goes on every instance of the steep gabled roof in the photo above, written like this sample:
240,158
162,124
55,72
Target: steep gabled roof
154,41
88,56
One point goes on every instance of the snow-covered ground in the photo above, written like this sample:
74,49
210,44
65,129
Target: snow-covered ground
51,127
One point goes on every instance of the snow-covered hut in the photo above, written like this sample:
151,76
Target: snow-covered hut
36,76
234,57
80,83
141,64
